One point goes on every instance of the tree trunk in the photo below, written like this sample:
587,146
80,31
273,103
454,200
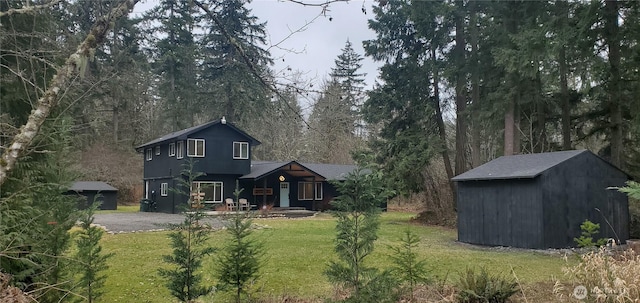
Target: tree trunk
613,89
476,159
564,87
461,102
115,122
21,142
541,115
509,128
442,132
440,121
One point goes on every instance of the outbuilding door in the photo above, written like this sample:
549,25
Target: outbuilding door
284,194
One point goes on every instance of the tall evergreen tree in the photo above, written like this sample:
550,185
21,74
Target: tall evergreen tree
231,87
175,60
346,73
404,103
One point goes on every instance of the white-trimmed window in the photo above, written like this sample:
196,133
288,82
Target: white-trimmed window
149,154
195,147
213,191
157,150
164,189
172,149
180,150
305,190
241,150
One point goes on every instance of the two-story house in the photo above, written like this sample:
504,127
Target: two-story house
220,155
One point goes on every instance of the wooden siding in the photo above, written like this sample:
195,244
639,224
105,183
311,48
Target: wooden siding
218,155
545,211
108,199
573,192
219,151
500,212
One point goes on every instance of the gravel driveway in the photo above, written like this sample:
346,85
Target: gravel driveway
143,221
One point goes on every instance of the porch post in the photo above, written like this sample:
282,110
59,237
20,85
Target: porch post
313,199
264,191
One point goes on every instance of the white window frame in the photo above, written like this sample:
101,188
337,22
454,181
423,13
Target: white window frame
158,150
164,189
172,149
180,150
194,153
307,196
197,185
149,154
240,145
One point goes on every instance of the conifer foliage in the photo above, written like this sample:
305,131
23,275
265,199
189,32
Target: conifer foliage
240,260
188,240
91,261
189,249
357,213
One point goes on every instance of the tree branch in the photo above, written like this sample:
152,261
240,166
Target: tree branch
28,9
21,142
245,57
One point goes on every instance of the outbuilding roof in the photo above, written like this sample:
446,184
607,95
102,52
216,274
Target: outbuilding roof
182,134
518,166
80,186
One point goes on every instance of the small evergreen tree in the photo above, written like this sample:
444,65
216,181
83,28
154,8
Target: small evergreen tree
91,260
240,260
408,268
358,213
188,240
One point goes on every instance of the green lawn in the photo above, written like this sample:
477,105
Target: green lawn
297,252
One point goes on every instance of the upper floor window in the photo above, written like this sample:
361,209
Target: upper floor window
180,150
172,149
164,189
305,191
240,150
149,154
157,150
195,147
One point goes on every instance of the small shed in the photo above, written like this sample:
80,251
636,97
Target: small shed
88,190
539,200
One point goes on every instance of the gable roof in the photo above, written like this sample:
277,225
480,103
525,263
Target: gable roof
518,166
80,186
331,171
260,169
182,134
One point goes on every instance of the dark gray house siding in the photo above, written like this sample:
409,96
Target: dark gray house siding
540,200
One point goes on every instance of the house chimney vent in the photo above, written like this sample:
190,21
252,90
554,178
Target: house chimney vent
223,120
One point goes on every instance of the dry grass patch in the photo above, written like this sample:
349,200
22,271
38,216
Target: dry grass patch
608,276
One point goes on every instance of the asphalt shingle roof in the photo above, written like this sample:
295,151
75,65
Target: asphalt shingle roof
331,171
328,171
190,130
518,166
91,186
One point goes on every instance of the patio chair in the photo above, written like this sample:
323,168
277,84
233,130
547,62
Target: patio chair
230,204
243,204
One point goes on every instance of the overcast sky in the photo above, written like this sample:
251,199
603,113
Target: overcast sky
313,49
318,45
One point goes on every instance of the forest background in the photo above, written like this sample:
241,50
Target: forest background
517,76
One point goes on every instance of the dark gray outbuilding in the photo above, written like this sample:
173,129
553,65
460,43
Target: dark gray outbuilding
88,190
540,200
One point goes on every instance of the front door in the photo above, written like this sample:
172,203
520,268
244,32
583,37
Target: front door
284,194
